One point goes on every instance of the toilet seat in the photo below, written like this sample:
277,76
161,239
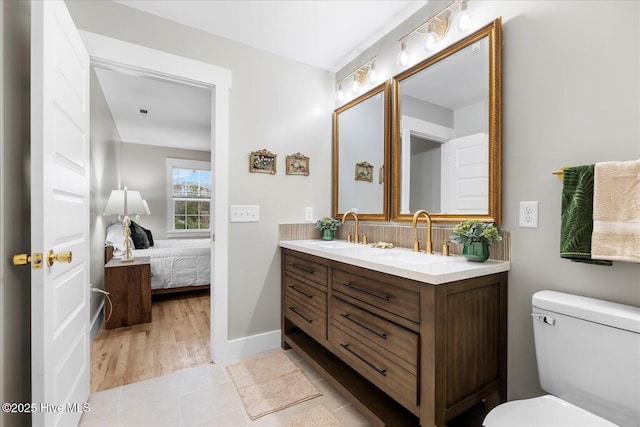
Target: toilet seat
540,412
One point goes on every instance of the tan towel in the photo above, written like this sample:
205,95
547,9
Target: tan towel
616,211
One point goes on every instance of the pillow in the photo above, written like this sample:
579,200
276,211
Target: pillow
139,236
149,235
115,238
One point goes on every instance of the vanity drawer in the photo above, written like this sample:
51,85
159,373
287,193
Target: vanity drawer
393,299
390,337
307,269
381,371
306,294
306,316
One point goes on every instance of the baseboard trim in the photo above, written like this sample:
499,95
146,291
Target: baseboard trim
247,346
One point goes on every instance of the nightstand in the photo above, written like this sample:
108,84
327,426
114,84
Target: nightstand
129,287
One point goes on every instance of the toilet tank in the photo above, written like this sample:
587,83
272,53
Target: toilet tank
588,354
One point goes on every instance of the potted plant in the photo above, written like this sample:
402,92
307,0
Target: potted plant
476,236
328,227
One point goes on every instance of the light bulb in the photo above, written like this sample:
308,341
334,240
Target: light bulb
403,57
355,87
463,18
429,42
372,75
340,93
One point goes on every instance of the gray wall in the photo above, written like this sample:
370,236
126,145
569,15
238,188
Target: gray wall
105,153
15,342
275,103
570,97
144,169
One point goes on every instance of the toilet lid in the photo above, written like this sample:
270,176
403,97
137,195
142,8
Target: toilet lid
542,411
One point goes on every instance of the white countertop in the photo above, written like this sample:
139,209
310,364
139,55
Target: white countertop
434,269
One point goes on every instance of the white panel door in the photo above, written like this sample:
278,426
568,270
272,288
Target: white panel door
59,215
467,167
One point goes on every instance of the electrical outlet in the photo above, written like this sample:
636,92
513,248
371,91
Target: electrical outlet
245,213
528,217
308,214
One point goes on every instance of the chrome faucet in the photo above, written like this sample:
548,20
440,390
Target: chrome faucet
429,246
355,217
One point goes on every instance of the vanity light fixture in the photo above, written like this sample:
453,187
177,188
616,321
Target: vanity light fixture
436,27
360,76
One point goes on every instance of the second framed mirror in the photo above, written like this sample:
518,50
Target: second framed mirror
361,156
447,132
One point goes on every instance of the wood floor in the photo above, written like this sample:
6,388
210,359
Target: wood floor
177,338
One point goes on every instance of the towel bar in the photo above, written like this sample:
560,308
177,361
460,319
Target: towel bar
560,172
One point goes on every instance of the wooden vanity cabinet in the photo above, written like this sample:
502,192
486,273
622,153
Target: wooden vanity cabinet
403,352
304,294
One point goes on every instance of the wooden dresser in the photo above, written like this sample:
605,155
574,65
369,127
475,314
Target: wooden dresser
129,287
405,352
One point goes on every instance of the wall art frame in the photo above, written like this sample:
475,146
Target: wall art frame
364,172
263,161
297,164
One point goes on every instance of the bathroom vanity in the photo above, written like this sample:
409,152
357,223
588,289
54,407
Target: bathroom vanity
408,338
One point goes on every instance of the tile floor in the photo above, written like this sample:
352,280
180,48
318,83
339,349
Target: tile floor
203,396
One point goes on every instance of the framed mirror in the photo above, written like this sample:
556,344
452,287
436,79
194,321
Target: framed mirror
447,134
361,155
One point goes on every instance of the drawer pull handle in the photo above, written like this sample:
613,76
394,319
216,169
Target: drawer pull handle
366,291
299,267
302,292
382,372
362,325
294,310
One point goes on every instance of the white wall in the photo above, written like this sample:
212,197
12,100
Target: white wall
275,103
144,168
15,296
571,96
105,152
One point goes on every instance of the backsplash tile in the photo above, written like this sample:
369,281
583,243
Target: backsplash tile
399,235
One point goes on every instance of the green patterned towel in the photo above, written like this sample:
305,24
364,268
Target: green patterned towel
577,215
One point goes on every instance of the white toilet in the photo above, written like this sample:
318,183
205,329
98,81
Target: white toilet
588,354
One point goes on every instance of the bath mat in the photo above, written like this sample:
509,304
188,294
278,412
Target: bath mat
316,417
270,383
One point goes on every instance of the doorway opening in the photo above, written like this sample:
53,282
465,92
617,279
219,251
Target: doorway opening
129,58
168,124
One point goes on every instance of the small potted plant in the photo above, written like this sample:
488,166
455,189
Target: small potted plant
476,236
328,227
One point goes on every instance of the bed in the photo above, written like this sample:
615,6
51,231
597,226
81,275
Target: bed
177,265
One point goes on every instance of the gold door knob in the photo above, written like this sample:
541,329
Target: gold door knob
65,257
24,259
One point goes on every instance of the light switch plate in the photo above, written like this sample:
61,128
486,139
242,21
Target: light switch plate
308,214
528,217
245,213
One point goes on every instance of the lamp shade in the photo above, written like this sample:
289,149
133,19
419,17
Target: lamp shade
118,204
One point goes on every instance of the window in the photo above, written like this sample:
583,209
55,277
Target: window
189,197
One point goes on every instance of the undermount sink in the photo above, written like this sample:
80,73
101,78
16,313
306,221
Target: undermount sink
333,245
413,258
